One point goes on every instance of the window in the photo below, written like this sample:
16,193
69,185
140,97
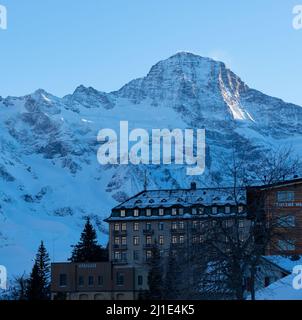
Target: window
240,209
241,236
181,225
123,213
124,256
195,239
174,211
161,212
124,241
135,255
120,279
148,226
287,245
116,241
148,212
148,254
181,211
194,211
284,196
241,223
140,280
136,212
174,239
227,210
201,238
136,226
63,280
161,240
195,224
90,280
174,226
214,210
161,226
100,280
117,255
124,226
200,211
148,240
287,221
136,241
228,223
116,227
181,239
81,281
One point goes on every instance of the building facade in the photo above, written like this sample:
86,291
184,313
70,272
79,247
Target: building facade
281,204
95,281
169,218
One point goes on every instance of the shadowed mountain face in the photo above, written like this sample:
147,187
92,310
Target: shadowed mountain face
49,174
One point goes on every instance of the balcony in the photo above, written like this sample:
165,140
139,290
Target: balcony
120,246
148,246
120,261
148,232
178,231
120,233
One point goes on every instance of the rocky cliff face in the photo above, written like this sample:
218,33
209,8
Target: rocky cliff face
49,174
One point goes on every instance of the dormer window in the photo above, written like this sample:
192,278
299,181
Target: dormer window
174,212
227,209
123,213
138,201
200,199
194,211
161,211
164,200
240,209
229,198
180,200
181,211
214,210
151,201
148,213
136,212
200,210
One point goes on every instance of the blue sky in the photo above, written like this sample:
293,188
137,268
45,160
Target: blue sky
59,44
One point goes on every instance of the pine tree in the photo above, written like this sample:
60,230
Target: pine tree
88,250
155,279
38,287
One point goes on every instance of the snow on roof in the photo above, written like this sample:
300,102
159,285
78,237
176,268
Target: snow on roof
286,263
185,198
280,290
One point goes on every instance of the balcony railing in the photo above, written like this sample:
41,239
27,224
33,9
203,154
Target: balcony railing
148,246
120,261
120,232
148,232
120,246
178,230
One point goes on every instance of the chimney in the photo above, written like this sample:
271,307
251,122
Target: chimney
193,186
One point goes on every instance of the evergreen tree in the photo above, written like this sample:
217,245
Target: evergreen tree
38,287
155,278
88,250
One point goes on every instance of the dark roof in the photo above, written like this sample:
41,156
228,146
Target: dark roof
278,184
184,198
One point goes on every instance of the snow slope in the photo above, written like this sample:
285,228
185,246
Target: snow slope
49,175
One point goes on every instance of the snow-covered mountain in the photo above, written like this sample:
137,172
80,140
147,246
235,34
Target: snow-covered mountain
49,174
